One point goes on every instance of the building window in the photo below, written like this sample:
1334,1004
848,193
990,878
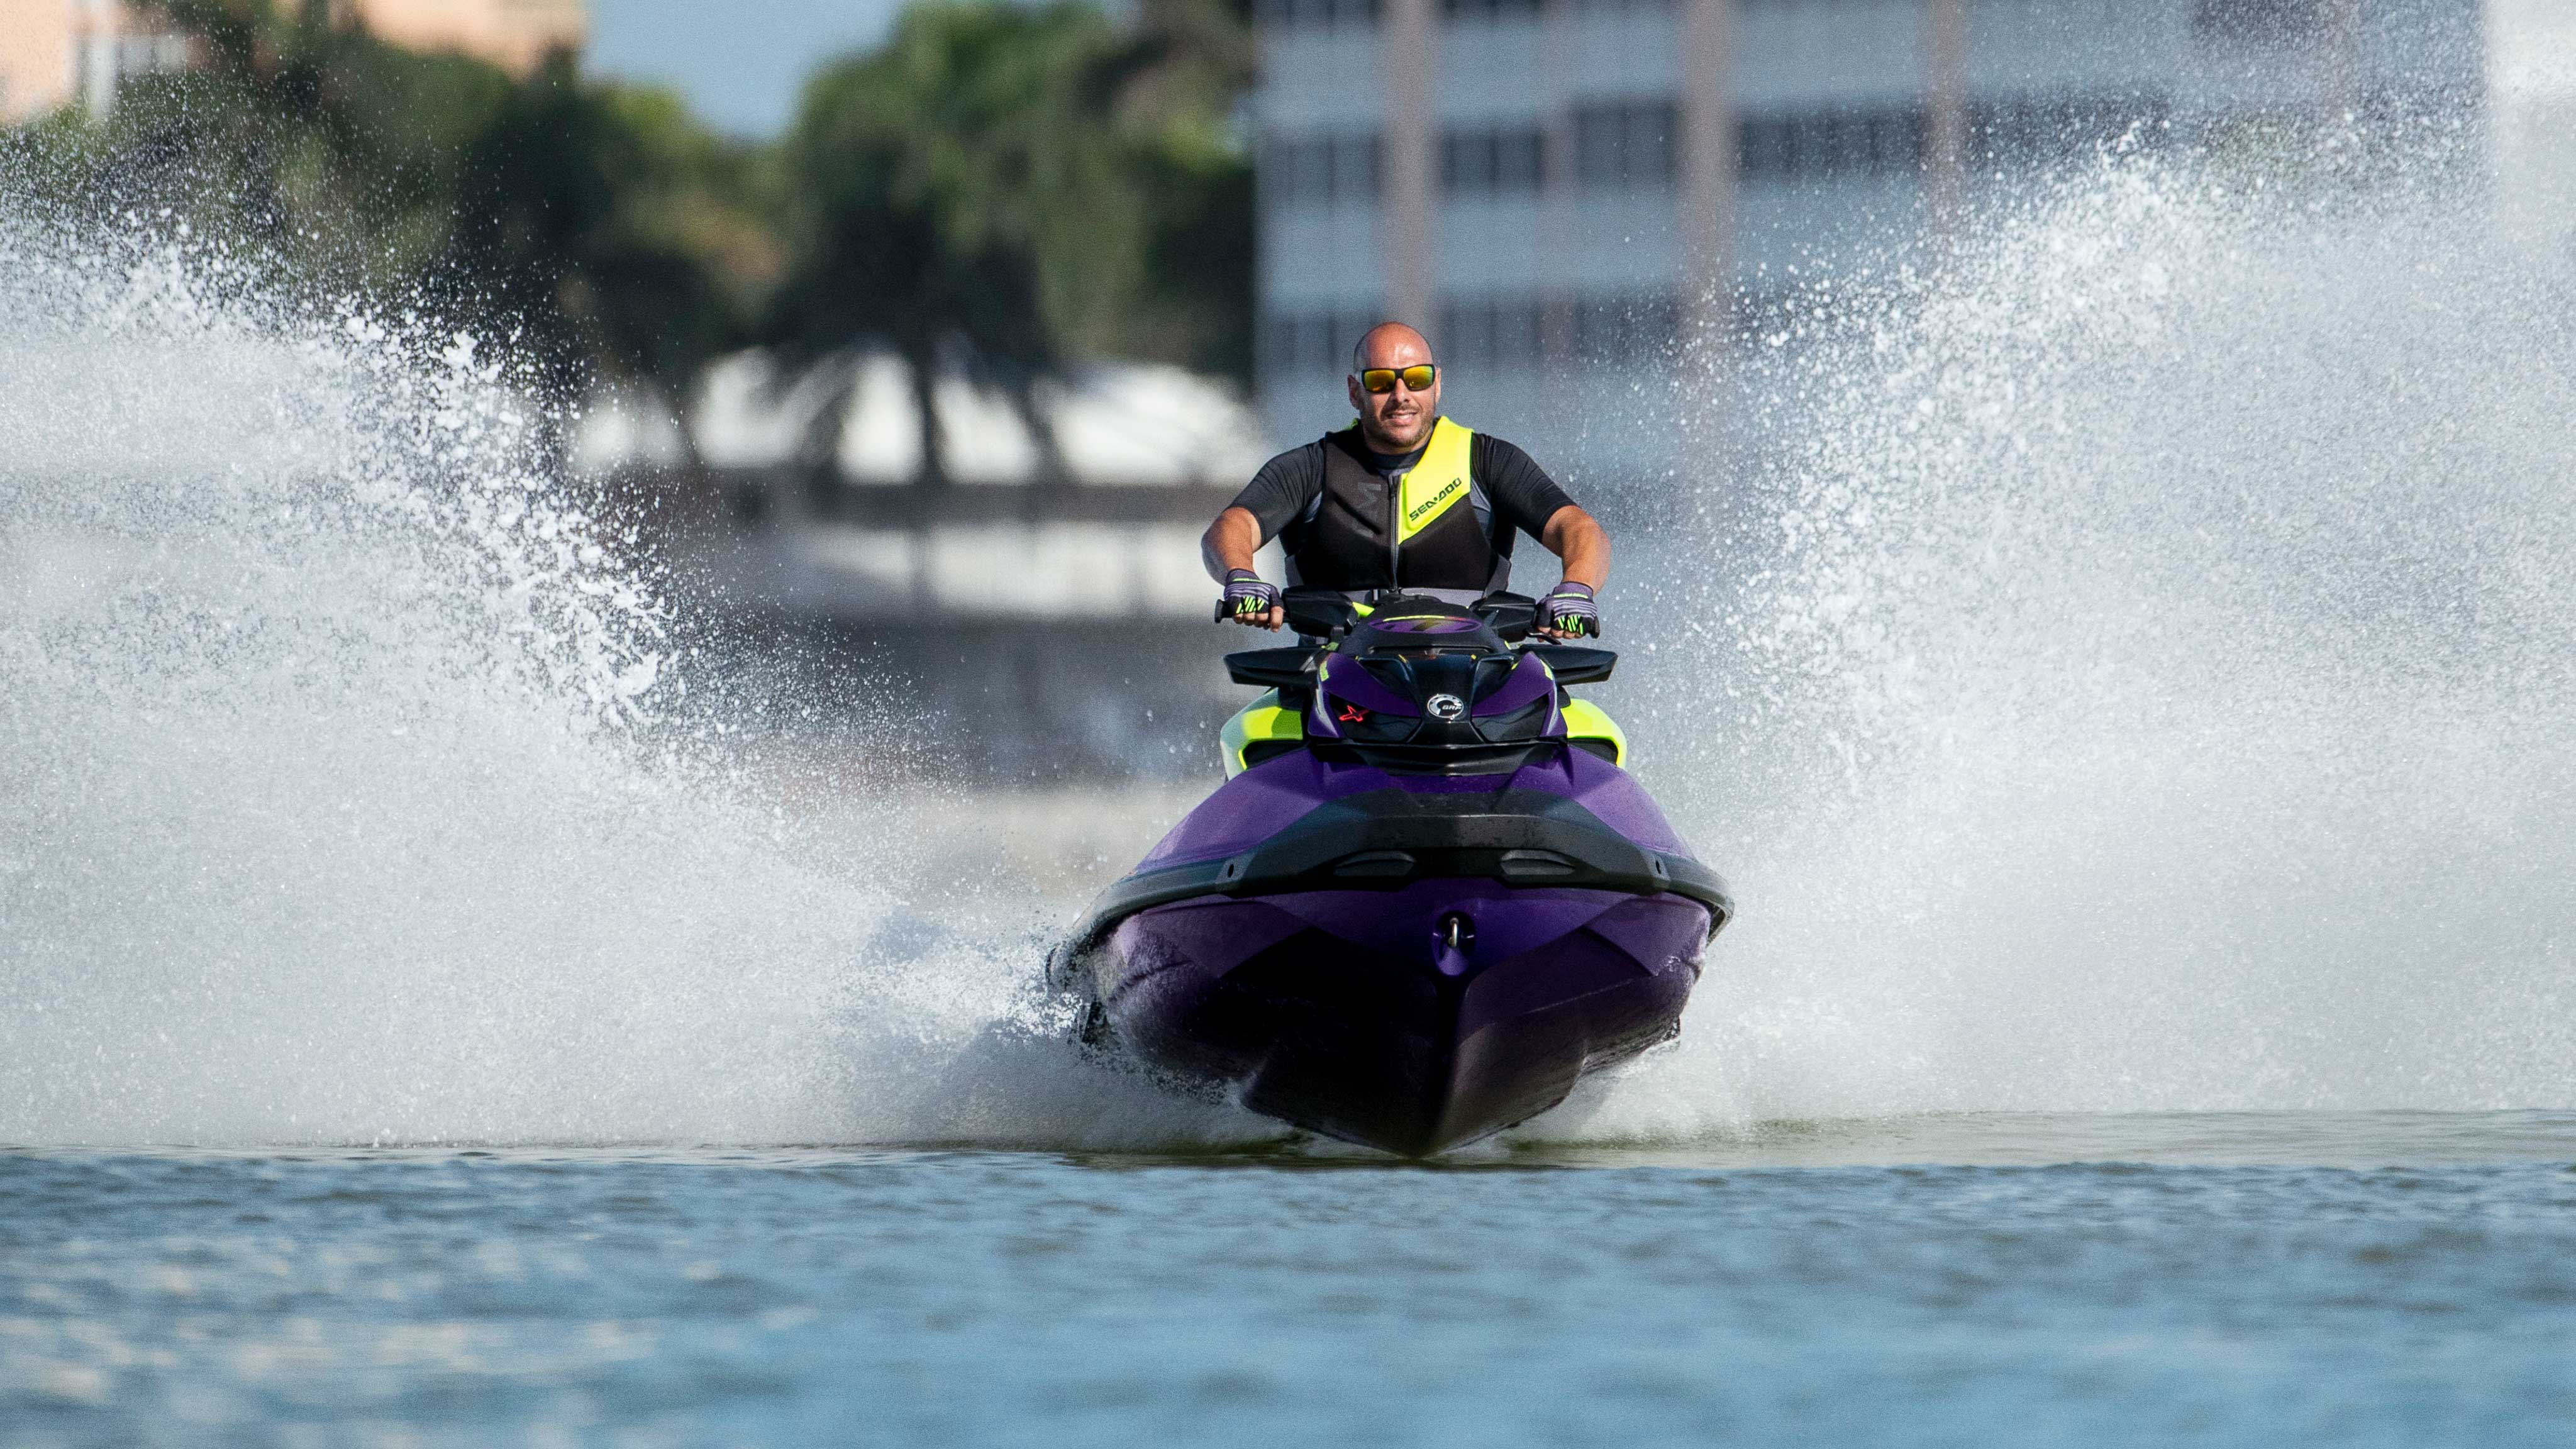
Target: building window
1886,141
1316,14
1310,346
1494,162
2026,131
1626,327
2014,131
1506,331
1490,332
1491,11
1626,145
2258,21
1340,170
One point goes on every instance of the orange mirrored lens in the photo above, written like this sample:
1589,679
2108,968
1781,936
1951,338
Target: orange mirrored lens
1383,379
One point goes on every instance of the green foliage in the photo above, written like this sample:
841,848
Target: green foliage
1017,186
1034,183
610,225
596,224
925,180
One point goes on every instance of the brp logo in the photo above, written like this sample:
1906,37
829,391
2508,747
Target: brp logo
1446,708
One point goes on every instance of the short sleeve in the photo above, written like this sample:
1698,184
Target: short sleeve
1282,489
1523,495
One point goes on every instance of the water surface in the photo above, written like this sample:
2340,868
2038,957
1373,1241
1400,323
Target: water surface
2238,1279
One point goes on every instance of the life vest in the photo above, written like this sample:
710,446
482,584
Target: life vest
1420,533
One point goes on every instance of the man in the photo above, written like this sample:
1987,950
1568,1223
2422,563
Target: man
1405,498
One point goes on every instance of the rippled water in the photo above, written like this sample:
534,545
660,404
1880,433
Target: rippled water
2256,1280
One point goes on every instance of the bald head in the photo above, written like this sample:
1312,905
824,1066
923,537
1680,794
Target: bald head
1398,419
1390,344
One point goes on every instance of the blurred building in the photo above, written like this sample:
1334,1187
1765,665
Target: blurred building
2531,68
1566,190
515,35
54,53
1085,500
1043,598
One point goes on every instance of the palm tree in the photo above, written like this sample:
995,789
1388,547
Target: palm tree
908,205
983,186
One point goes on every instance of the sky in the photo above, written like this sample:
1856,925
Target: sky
740,62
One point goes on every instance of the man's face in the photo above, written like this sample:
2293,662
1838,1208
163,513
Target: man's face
1395,421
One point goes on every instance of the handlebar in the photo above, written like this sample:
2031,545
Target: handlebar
1330,614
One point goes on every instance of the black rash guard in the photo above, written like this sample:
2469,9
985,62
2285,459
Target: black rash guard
1512,493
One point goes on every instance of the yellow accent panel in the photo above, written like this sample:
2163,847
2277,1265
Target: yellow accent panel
1435,485
1585,720
1260,720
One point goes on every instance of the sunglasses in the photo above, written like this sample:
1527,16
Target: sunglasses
1417,378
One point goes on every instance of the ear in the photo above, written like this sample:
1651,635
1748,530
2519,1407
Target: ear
1352,382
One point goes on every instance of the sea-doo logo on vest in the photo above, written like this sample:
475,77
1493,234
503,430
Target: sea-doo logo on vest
1431,505
1446,707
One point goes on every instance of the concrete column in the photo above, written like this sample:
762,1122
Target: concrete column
97,56
1945,111
2531,76
1708,167
2339,80
1707,236
1408,196
1559,392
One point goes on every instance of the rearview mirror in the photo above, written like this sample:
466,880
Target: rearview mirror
1574,664
1510,615
1319,613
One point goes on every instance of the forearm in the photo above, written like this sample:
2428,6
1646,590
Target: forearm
1230,542
1573,536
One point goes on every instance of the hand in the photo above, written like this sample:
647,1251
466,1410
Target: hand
1569,612
1250,602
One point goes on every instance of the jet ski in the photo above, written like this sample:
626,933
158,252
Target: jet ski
1427,901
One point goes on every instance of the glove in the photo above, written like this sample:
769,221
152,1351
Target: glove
1247,599
1569,609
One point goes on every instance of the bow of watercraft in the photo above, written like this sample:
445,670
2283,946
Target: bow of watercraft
1411,1021
1406,962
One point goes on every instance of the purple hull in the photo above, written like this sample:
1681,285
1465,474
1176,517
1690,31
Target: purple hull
1406,961
1412,1020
